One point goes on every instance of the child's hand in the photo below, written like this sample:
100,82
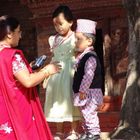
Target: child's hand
82,95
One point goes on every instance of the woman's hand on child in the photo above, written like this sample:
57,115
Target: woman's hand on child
82,95
52,68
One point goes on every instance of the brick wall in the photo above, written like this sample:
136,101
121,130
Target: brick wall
23,14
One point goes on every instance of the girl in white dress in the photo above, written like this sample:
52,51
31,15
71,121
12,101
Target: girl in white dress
58,104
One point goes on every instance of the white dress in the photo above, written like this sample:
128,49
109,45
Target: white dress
59,103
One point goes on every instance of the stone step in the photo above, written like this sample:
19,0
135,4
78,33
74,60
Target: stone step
108,120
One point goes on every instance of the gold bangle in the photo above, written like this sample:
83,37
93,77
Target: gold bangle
46,72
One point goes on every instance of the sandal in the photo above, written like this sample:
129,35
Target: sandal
58,136
72,136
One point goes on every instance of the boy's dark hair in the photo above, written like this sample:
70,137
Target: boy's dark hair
7,24
92,36
65,10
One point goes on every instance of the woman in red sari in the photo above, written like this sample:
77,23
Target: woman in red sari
21,113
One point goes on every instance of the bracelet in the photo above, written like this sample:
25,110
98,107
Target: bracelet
46,72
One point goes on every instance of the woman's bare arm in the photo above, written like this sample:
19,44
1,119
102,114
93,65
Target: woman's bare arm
32,79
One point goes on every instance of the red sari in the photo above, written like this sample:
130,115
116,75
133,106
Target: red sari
21,116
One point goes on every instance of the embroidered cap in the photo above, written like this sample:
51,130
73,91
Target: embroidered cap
86,26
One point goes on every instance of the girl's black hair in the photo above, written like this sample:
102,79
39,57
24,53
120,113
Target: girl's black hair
65,10
7,24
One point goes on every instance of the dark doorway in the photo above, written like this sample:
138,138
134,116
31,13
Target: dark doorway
98,46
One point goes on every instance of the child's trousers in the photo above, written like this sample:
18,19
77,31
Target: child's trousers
91,120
